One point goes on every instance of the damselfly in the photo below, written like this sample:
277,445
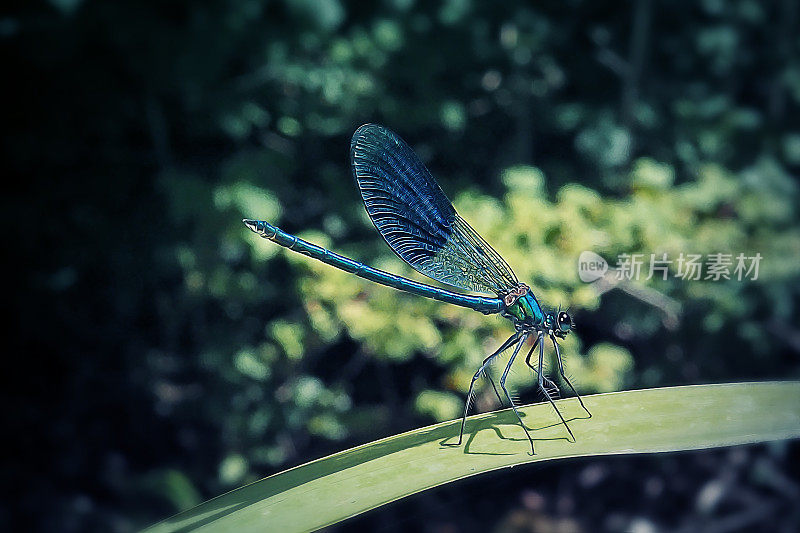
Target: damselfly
420,224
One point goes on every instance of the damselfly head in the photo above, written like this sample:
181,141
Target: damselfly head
561,324
564,321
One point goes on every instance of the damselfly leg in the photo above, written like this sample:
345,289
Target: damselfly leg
483,370
564,376
548,382
503,386
544,389
494,387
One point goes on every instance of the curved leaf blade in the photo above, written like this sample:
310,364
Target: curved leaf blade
345,484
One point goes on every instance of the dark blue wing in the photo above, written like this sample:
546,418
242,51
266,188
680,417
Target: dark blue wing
417,220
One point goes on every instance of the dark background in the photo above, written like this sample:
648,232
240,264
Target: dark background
160,355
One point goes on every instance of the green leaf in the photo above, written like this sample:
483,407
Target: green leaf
345,484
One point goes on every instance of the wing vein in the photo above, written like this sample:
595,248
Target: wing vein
417,220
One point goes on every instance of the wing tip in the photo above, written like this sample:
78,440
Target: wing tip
366,127
366,139
370,128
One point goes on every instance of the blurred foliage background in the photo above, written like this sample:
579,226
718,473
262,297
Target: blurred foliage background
161,354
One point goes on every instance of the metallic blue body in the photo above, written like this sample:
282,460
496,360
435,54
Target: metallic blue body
478,303
526,311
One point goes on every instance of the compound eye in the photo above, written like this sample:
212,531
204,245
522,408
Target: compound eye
564,321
